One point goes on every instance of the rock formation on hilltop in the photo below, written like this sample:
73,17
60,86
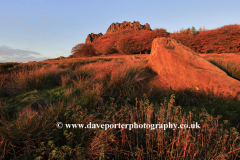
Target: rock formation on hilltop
180,68
92,37
115,27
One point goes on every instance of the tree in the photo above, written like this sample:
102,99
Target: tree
83,50
188,31
127,45
145,39
108,48
77,47
194,31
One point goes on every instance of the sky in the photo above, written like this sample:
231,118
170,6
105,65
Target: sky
35,30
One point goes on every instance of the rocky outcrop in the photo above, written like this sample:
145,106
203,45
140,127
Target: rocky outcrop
92,37
116,27
180,68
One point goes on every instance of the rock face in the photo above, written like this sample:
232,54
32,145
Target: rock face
179,68
92,37
116,27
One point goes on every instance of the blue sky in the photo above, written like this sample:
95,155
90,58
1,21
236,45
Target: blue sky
34,30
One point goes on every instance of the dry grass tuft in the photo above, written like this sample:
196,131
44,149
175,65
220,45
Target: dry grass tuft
27,80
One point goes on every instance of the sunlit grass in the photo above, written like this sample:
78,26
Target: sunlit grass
231,68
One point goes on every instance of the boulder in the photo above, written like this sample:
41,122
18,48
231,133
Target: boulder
181,68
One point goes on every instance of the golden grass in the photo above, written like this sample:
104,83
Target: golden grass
27,80
225,57
230,63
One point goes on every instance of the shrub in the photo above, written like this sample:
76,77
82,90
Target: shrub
108,48
220,40
127,45
83,50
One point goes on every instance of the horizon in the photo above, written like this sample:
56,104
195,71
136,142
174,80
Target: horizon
39,30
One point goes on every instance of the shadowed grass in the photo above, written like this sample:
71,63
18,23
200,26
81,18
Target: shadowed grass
25,133
212,140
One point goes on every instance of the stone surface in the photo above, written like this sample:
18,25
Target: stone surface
179,68
116,27
92,37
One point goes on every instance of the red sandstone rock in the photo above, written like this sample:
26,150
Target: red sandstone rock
116,27
179,67
92,37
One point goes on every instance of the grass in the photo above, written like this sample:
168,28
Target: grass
231,68
110,92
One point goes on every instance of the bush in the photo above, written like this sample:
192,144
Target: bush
83,50
220,40
137,43
108,48
127,45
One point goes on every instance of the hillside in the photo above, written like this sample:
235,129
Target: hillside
114,89
134,38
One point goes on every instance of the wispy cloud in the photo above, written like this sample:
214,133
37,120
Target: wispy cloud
8,54
8,51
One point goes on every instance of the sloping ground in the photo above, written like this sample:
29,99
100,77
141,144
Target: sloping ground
79,96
